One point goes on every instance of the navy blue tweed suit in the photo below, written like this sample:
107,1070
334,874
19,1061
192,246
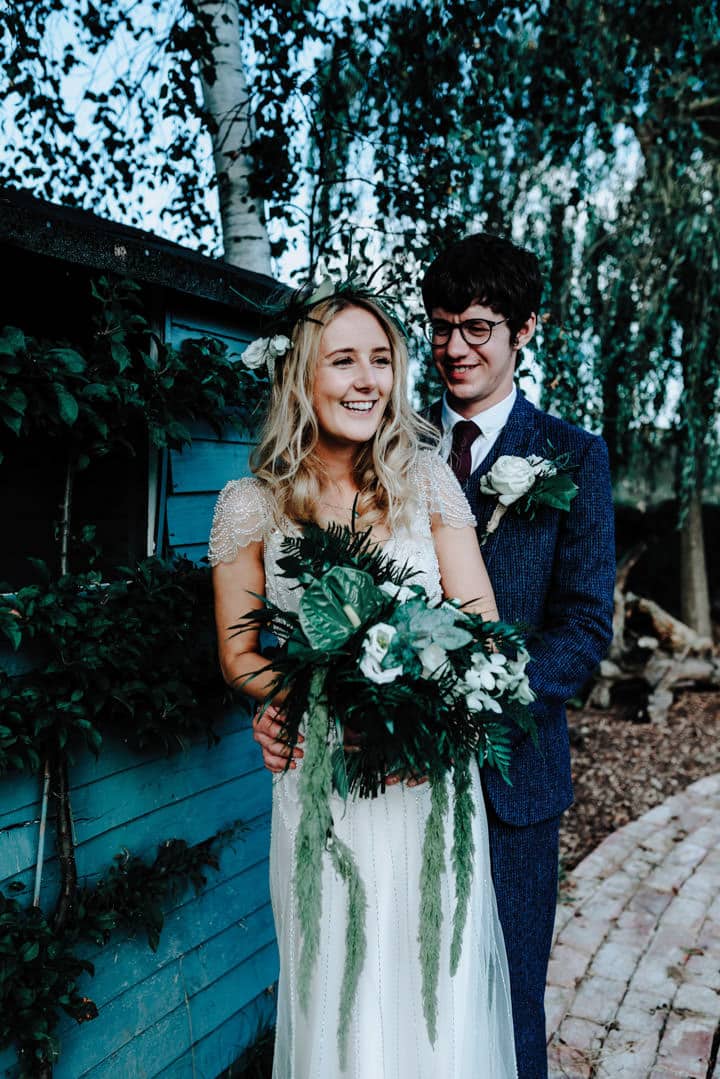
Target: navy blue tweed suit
556,574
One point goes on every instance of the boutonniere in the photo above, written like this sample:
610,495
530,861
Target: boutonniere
522,484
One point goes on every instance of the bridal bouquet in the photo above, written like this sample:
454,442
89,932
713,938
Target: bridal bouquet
382,682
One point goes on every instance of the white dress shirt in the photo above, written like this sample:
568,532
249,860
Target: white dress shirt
489,423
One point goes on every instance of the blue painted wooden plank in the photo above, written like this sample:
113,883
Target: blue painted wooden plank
190,517
19,799
201,429
241,901
208,950
20,662
139,1012
193,819
146,1053
204,466
247,952
118,801
196,552
19,793
223,1046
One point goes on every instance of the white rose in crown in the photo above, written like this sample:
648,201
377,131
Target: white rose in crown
254,355
265,350
509,478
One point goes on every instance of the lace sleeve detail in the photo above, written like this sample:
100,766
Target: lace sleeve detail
443,493
242,516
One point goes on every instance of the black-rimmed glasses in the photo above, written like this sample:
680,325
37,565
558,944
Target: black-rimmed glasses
474,331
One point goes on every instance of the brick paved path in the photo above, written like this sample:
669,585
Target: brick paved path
634,979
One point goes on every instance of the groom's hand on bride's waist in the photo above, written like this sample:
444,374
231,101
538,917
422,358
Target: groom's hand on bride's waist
268,731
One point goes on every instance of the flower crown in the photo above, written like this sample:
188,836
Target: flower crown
285,311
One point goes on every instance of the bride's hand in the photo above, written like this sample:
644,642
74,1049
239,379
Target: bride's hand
268,733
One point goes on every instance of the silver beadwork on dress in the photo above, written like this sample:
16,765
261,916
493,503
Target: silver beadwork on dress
388,1037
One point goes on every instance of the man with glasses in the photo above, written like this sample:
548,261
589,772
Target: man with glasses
554,573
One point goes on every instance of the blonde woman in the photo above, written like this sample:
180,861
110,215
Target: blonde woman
341,444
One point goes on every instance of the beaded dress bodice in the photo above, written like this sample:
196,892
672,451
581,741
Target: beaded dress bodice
244,515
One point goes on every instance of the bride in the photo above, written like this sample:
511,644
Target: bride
341,444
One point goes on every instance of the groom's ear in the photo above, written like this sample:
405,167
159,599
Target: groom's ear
526,331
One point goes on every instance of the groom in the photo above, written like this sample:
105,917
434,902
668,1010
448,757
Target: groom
554,573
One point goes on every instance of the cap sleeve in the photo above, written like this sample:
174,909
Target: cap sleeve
443,493
242,516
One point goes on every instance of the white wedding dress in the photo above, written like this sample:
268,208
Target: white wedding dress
388,1037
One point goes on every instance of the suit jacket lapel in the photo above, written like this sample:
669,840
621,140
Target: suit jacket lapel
517,439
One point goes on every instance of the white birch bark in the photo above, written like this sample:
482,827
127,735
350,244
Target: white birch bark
245,238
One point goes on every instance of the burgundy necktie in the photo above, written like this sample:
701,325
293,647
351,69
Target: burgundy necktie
464,434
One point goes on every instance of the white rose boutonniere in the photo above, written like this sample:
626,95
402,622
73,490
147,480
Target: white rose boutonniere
509,478
525,483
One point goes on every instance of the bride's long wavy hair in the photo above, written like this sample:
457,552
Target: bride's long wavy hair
286,458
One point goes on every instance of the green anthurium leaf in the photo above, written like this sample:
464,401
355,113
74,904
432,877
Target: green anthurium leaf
332,609
339,772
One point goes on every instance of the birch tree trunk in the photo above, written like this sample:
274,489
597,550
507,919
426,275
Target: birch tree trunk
225,93
695,593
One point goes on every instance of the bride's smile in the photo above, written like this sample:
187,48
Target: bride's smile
353,378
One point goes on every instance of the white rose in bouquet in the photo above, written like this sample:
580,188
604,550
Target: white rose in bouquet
375,647
510,478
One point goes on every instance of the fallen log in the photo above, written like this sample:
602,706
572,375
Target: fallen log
652,650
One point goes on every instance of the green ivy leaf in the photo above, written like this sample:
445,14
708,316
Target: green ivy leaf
121,355
12,631
12,341
68,358
16,400
11,420
67,404
29,951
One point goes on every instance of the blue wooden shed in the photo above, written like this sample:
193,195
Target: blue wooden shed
191,1008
